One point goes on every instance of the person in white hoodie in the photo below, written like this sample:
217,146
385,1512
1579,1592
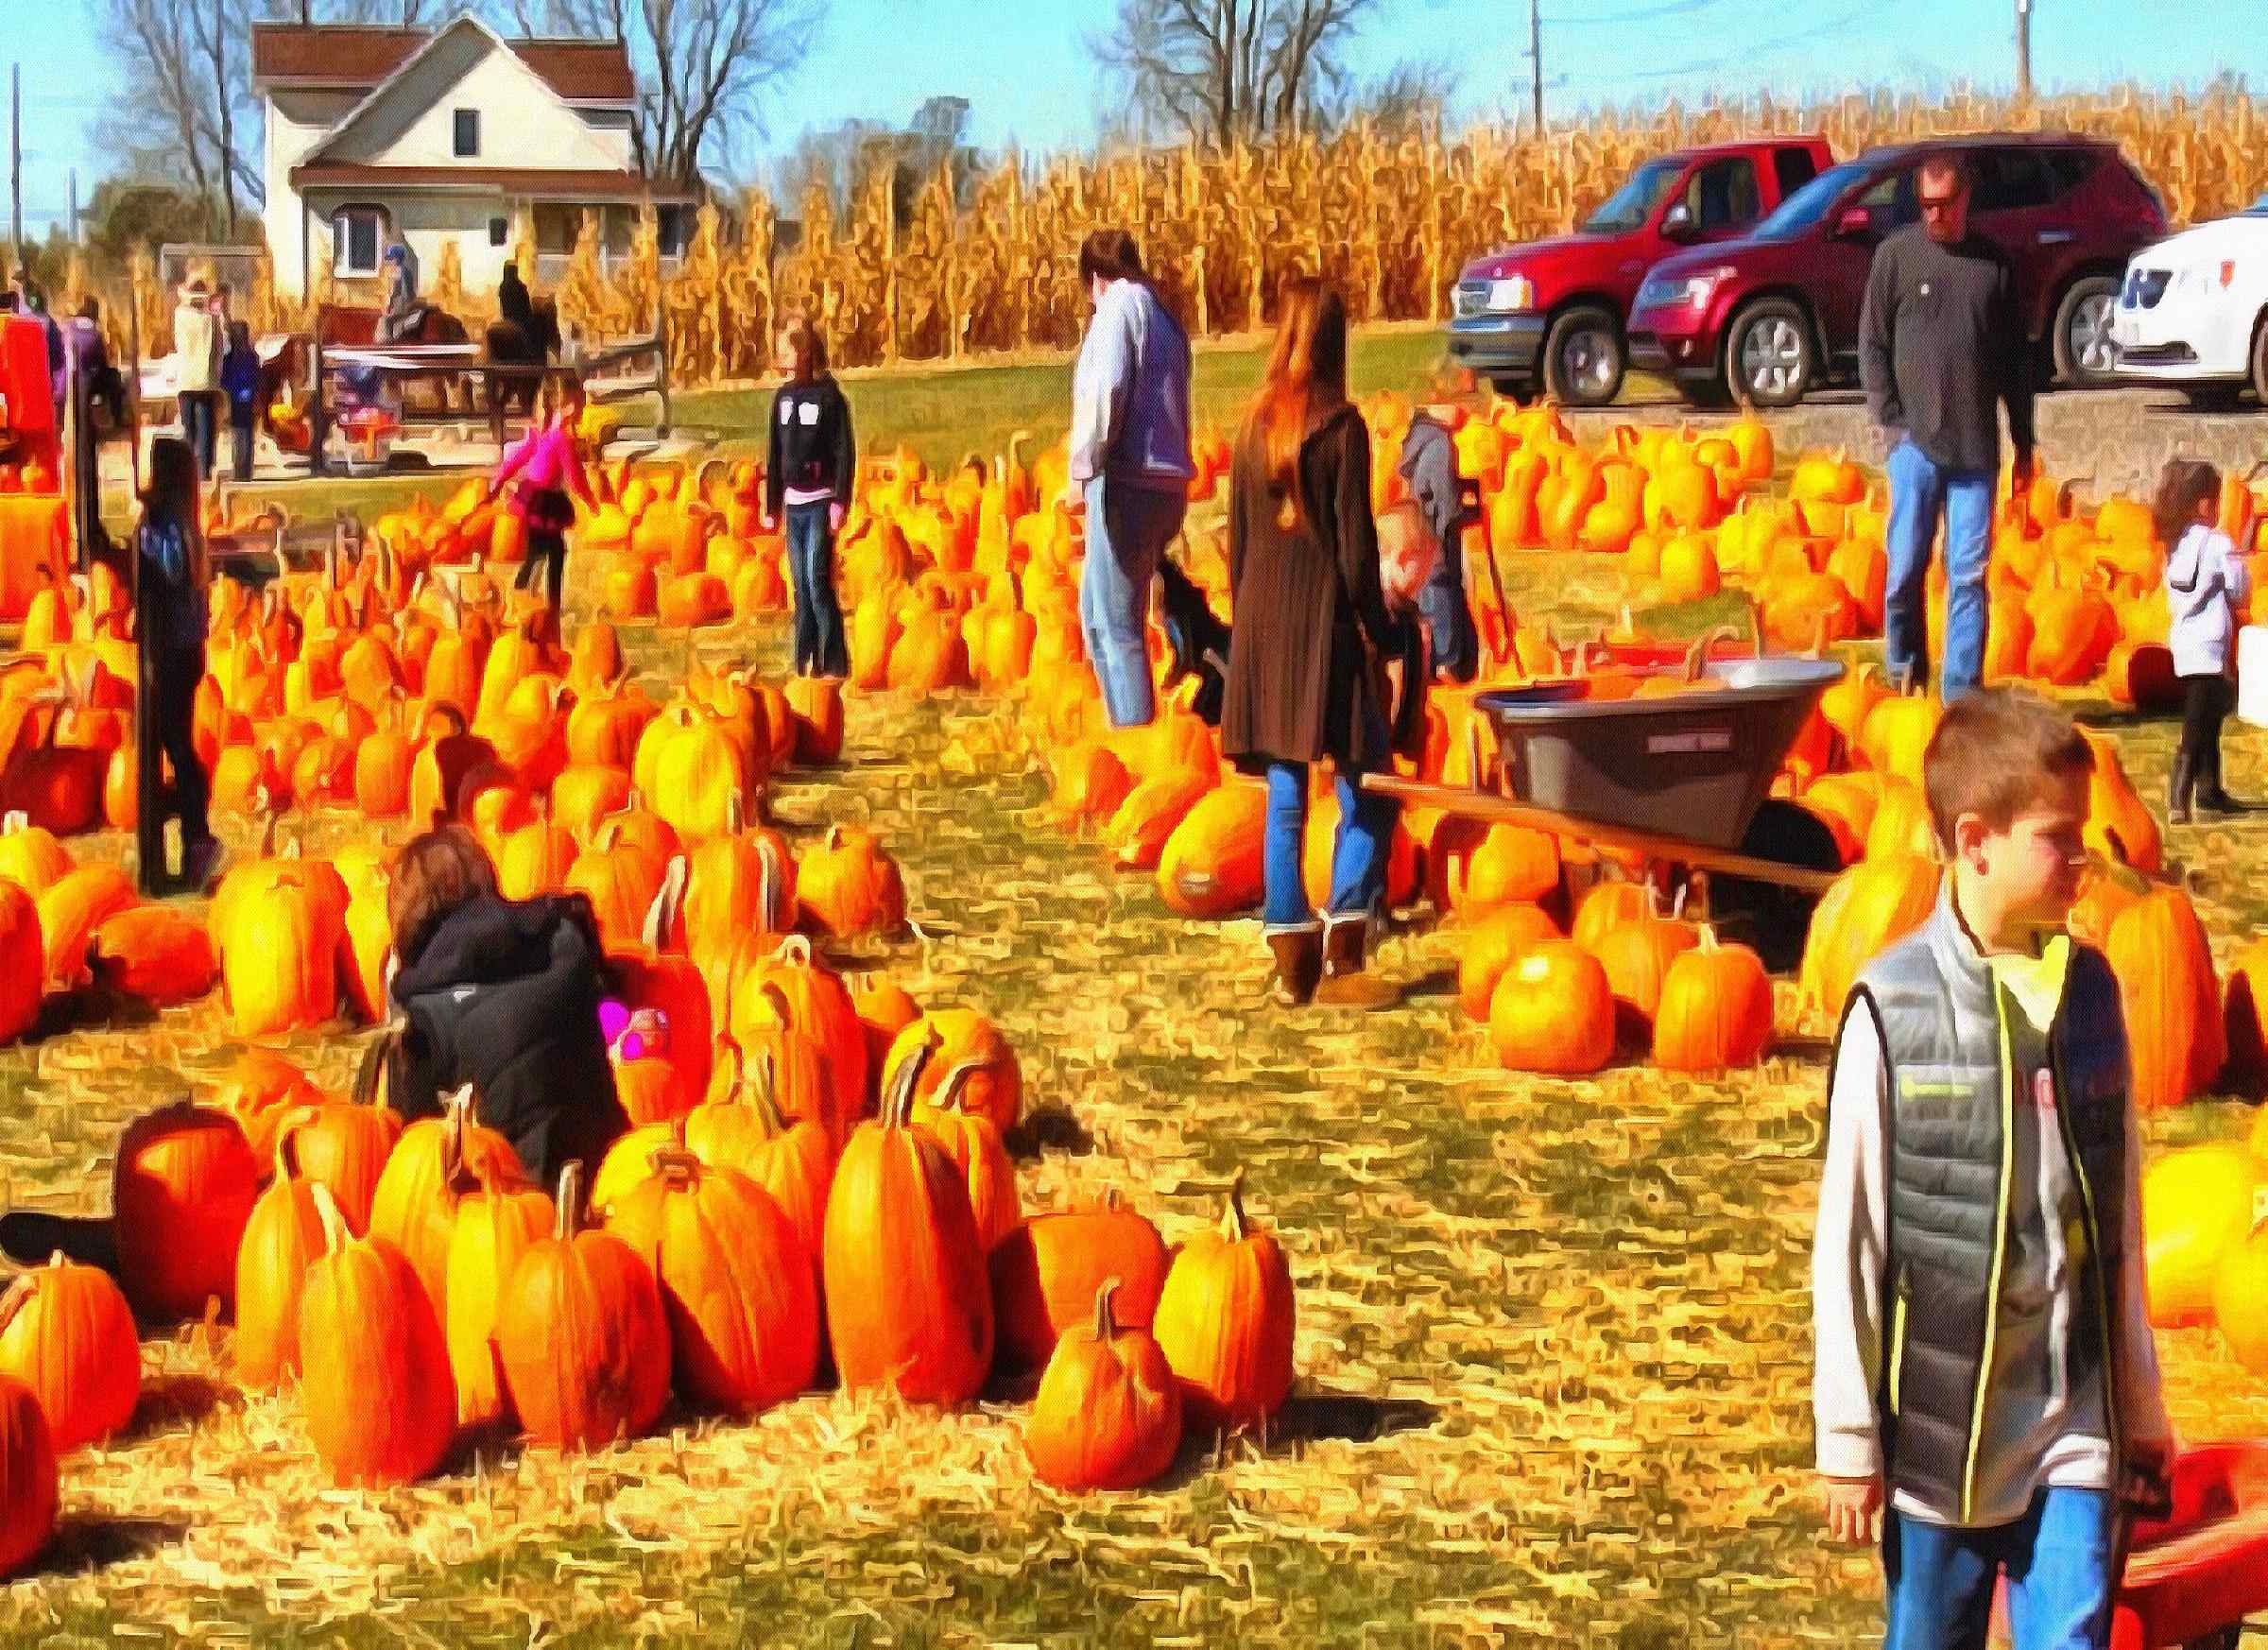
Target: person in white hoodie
197,340
2207,576
1131,465
1985,1377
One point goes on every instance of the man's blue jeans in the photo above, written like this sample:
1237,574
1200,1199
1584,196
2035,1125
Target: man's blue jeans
1938,1581
1358,853
1127,530
1921,492
820,646
200,409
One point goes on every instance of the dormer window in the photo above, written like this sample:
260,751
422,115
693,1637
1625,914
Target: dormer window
467,133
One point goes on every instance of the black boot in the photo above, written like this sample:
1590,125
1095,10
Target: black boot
1298,965
2211,797
1345,985
2177,789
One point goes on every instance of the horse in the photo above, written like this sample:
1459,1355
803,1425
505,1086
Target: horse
511,344
354,326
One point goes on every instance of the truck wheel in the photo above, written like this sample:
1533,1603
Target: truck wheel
2085,357
2227,1638
1515,388
1769,357
2259,357
1583,357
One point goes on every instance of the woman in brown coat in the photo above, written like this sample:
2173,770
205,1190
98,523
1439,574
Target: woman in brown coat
1310,636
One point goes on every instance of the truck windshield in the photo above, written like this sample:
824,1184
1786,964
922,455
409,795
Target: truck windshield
1629,207
1804,209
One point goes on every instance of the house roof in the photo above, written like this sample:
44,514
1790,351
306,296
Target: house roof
557,184
354,58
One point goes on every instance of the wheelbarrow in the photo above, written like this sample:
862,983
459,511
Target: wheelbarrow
1683,777
2193,1577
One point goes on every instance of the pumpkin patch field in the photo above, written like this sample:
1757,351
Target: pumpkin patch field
996,1265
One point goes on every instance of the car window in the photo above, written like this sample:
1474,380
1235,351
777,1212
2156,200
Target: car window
1808,207
1892,202
2071,167
1792,169
1723,194
2011,180
1631,205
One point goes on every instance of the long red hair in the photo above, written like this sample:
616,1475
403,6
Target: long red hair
1305,382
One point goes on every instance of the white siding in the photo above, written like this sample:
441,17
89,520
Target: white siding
295,119
523,121
426,220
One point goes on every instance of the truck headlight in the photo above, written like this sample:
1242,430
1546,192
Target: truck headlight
1511,294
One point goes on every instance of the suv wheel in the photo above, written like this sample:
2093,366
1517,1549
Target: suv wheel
2085,357
2260,356
1769,358
1583,357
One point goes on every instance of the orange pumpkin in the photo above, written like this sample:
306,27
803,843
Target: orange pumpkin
1108,1411
67,1333
907,1299
182,1191
849,886
1225,1320
1495,943
1210,863
581,1333
2172,1003
23,963
380,1406
30,1485
495,1222
281,1239
435,1162
736,1283
1553,1011
1867,908
1045,1272
1716,1009
154,952
344,1147
742,1127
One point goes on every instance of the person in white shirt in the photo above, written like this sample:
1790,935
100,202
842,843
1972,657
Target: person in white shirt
1985,1377
2207,576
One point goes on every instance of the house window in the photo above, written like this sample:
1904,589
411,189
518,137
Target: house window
357,235
499,228
468,133
673,226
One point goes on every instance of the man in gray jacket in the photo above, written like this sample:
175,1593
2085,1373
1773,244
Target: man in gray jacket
1130,464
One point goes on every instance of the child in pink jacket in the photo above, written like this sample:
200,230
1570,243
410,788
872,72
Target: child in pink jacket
548,468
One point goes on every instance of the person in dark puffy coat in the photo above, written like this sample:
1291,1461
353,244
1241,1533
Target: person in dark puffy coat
503,995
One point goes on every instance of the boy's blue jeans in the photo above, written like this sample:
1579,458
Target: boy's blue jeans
1358,853
820,646
1127,530
1921,492
1938,1581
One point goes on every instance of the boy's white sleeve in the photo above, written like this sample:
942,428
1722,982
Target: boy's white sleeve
2140,1399
1847,1255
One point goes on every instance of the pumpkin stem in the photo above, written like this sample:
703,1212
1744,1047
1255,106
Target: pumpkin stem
333,1222
1232,1217
767,882
794,947
1105,1327
897,1111
19,1293
571,1200
677,1165
662,916
766,1089
948,1096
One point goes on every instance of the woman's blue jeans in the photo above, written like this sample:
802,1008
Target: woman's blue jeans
1358,853
1127,530
820,646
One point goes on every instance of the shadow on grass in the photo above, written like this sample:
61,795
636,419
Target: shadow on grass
1306,1417
85,1541
178,1399
1050,1128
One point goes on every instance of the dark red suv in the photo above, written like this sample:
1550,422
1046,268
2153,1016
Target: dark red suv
1553,310
1776,313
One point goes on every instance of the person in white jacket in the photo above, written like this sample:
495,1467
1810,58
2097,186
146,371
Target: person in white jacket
197,371
1984,1376
2207,576
1131,465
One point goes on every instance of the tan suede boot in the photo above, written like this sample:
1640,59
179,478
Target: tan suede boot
1345,985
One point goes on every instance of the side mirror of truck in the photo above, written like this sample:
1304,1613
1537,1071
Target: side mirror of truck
1678,223
1852,222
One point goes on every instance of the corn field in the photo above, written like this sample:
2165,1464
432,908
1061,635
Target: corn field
1390,215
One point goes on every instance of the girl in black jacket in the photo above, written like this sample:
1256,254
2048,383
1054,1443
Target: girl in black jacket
811,473
503,995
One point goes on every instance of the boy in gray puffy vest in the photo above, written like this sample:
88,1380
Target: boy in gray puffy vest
1984,1358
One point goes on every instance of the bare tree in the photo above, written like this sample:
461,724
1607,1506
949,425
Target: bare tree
1221,70
188,114
709,64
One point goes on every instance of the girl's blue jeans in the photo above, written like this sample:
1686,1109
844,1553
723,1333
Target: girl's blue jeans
821,648
1358,853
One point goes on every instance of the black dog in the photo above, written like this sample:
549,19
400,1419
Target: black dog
1199,642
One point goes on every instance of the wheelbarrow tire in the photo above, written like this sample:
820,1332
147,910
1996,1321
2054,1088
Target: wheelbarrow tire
2228,1637
1771,916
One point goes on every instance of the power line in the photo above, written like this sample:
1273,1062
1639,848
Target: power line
1749,53
1644,14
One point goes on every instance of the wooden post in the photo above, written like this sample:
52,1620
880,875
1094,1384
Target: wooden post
2023,50
15,163
1535,61
317,418
662,361
133,387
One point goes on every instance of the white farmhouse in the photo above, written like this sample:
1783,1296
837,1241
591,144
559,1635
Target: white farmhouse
452,132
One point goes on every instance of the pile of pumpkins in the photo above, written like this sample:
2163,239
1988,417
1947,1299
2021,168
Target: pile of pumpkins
2205,1210
834,1189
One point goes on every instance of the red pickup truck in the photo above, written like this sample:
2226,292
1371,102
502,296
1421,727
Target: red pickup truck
1553,310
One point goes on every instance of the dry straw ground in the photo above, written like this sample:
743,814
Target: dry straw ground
1554,1336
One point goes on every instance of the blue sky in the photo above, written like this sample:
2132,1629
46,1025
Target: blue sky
1023,67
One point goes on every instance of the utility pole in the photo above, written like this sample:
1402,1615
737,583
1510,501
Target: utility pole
2023,50
75,206
15,160
1535,60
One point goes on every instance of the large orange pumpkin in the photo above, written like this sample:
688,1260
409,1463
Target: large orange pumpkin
345,1146
1716,1009
1045,1273
380,1406
23,962
1863,910
29,1485
820,1006
436,1160
153,952
67,1333
970,1046
182,1191
2198,1202
742,1127
849,886
1211,864
495,1223
583,1336
281,1239
2174,1035
1553,1011
908,1303
1494,944
1225,1320
736,1283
